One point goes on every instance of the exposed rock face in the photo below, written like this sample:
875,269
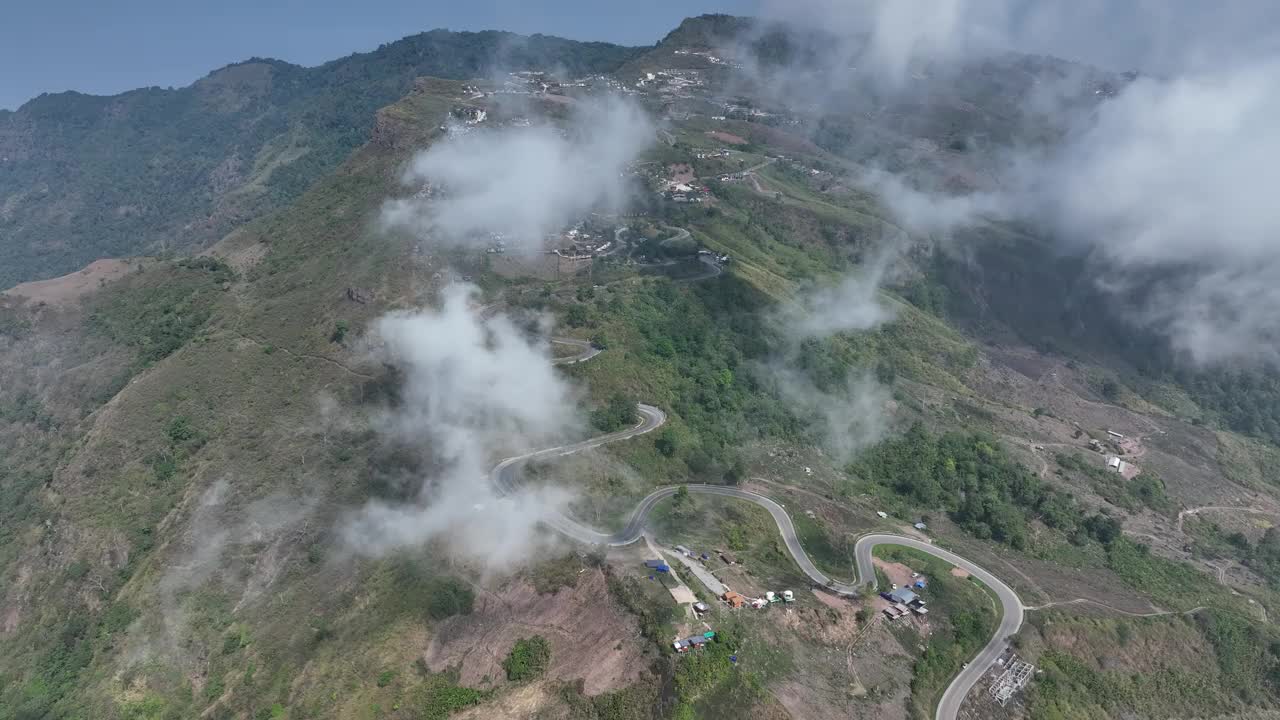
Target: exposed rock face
360,295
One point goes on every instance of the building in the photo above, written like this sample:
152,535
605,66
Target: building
692,642
728,558
657,565
1117,464
700,607
901,595
735,600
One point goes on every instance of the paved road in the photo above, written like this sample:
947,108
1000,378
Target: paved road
1010,621
586,351
505,478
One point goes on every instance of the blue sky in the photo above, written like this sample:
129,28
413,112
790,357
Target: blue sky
108,47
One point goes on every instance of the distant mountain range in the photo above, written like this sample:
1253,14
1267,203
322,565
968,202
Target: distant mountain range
155,170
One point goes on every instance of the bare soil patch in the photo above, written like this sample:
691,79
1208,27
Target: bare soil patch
959,572
681,172
725,137
591,639
896,572
68,289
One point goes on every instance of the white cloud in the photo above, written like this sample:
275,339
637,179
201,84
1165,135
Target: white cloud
475,389
524,181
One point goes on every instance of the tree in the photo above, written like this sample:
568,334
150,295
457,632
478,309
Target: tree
339,333
618,413
666,442
528,659
682,503
736,473
577,316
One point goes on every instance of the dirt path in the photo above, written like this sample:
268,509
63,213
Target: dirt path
1129,613
1221,508
307,356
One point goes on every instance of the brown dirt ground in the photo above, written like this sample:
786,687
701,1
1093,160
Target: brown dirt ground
730,138
590,638
959,572
869,680
524,702
896,572
681,172
68,289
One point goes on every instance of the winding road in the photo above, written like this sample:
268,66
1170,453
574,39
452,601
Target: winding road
586,351
505,479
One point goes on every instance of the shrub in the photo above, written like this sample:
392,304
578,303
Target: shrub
528,659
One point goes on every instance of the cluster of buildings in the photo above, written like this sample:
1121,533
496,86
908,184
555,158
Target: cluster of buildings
710,57
693,642
1123,445
904,602
577,243
737,599
673,83
685,192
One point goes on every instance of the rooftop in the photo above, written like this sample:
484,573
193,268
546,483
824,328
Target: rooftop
902,595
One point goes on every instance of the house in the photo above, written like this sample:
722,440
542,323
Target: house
788,596
1117,464
882,514
920,610
892,612
700,607
901,595
728,558
920,526
1115,434
735,600
696,641
684,551
657,565
680,646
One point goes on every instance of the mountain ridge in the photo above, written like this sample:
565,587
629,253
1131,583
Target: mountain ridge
152,170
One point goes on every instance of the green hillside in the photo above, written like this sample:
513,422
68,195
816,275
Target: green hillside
172,170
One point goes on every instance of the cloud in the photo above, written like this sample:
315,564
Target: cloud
1166,186
1173,183
848,418
931,213
851,414
475,389
885,37
524,182
853,304
218,524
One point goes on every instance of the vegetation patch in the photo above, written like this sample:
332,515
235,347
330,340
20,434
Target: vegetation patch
528,659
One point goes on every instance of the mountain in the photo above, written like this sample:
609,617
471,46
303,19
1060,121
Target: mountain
254,481
162,170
